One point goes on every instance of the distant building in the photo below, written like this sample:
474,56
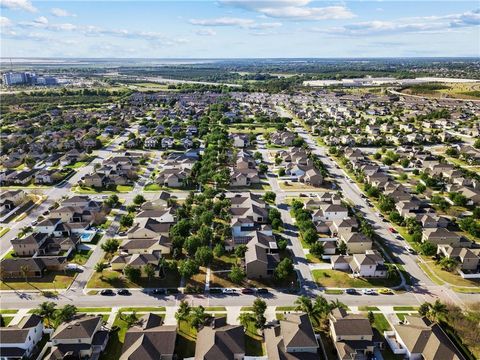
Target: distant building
26,78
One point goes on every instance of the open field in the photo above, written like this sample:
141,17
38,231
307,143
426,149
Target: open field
49,281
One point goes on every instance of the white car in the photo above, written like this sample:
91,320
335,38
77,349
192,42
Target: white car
369,292
228,291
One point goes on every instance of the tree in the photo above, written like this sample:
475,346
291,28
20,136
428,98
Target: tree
204,255
139,199
132,274
188,268
448,264
284,269
126,220
420,188
131,319
110,246
476,144
391,271
65,314
99,267
192,243
149,271
395,217
428,249
218,250
342,248
310,236
25,269
240,250
259,307
237,274
183,311
317,249
112,201
371,317
198,316
436,311
269,196
245,319
47,311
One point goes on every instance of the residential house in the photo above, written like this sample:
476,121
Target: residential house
21,341
261,257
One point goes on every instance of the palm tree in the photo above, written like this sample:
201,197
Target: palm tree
47,311
183,311
25,269
245,319
65,314
436,311
391,271
304,304
99,267
149,270
198,317
336,304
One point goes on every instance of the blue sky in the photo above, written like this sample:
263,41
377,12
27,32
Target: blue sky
239,28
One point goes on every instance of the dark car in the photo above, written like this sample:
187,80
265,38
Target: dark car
124,292
262,291
107,292
351,291
159,291
247,291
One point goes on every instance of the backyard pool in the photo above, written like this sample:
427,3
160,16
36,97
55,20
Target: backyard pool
87,235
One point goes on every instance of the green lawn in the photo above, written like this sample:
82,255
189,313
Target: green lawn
8,311
186,338
335,278
94,309
215,308
115,279
450,277
115,341
368,308
285,308
405,308
224,262
124,188
3,231
253,341
5,320
81,256
144,309
333,292
49,281
381,323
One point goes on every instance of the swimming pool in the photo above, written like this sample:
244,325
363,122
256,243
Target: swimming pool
87,235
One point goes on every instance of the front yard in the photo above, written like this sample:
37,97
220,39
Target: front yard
221,280
54,280
115,279
340,279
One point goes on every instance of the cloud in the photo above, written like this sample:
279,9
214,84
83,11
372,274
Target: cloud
18,5
206,32
223,21
427,24
60,12
292,9
5,22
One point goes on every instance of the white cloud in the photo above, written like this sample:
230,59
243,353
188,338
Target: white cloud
42,20
5,22
18,5
60,12
427,24
223,21
206,32
292,9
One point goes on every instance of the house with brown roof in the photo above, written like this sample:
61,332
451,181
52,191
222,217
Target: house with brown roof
441,236
261,257
292,338
84,336
220,341
352,334
469,259
149,339
418,338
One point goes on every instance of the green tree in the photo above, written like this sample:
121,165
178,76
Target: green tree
240,250
259,307
284,269
317,249
110,246
139,199
126,220
198,317
448,264
269,196
204,255
132,274
65,314
428,249
245,319
183,311
188,268
149,271
46,310
371,317
310,236
99,267
237,274
218,250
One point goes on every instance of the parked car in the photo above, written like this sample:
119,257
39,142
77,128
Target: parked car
410,250
369,292
107,292
124,292
262,291
385,292
392,230
399,237
248,291
351,291
159,291
228,291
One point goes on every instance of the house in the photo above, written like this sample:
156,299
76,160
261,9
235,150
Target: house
150,142
136,261
149,339
352,334
292,338
220,341
82,337
148,228
29,245
418,338
282,138
369,264
10,199
240,140
468,259
20,341
163,216
432,221
161,245
160,202
312,177
330,212
174,177
357,243
261,257
441,236
21,268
